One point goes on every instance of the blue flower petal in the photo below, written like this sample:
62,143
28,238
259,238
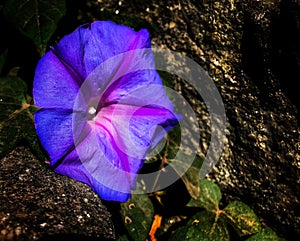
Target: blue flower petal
97,162
92,44
137,82
107,39
54,128
136,129
111,155
133,111
54,86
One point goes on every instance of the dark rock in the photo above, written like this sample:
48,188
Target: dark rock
38,204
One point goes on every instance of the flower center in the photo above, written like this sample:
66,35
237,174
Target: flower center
92,109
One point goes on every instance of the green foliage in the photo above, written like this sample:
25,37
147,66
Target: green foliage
123,238
210,227
212,224
137,214
185,166
180,234
209,197
16,117
203,226
190,177
242,218
265,235
36,19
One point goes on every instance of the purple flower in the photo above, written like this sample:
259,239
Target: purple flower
102,106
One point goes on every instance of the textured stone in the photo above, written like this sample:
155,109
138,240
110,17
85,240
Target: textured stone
38,204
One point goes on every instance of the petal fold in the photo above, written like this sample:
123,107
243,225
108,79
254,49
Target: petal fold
135,130
92,44
97,162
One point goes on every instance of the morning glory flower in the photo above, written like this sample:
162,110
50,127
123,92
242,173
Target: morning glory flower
103,107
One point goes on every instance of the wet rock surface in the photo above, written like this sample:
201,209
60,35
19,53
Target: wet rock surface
253,58
37,204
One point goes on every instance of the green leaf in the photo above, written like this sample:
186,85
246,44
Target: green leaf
2,60
266,235
209,198
179,234
186,166
123,238
137,214
204,226
242,218
16,117
36,19
207,226
191,176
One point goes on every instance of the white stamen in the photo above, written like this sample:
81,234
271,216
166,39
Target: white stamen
92,110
